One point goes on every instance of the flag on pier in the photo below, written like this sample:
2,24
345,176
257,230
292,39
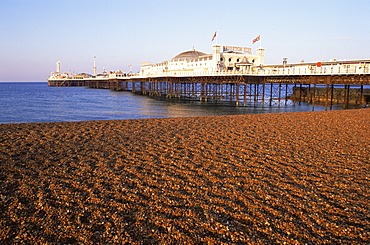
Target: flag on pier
257,39
214,36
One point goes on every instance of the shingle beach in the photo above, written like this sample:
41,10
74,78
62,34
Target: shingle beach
294,178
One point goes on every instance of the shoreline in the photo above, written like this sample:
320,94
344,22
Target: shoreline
297,177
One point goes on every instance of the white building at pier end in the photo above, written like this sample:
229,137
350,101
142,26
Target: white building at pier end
222,59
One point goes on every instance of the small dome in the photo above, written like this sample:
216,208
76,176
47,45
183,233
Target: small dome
188,55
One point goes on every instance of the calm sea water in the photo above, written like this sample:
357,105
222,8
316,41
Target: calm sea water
36,102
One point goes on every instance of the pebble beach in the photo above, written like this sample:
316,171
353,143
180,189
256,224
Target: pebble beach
289,178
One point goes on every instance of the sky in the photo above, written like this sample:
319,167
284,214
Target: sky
35,34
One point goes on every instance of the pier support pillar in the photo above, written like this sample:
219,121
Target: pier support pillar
237,94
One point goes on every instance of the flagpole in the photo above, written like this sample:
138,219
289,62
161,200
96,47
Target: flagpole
260,41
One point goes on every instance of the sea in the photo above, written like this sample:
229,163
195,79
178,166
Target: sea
36,102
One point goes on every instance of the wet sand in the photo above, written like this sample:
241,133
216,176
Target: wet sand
295,178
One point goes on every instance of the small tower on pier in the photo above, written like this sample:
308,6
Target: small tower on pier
58,68
94,65
261,54
216,56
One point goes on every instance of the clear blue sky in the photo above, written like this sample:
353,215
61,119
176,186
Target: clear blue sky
35,34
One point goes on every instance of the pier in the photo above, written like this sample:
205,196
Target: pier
271,89
236,75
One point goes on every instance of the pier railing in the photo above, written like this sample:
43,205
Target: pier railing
333,70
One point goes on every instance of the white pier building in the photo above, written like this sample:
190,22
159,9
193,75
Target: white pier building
240,60
223,59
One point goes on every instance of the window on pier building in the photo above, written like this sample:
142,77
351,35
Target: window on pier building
229,59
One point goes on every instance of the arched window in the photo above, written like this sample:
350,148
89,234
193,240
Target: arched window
229,59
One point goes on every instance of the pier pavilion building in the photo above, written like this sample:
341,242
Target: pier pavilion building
223,58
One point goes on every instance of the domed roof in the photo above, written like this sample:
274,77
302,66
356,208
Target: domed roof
188,55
